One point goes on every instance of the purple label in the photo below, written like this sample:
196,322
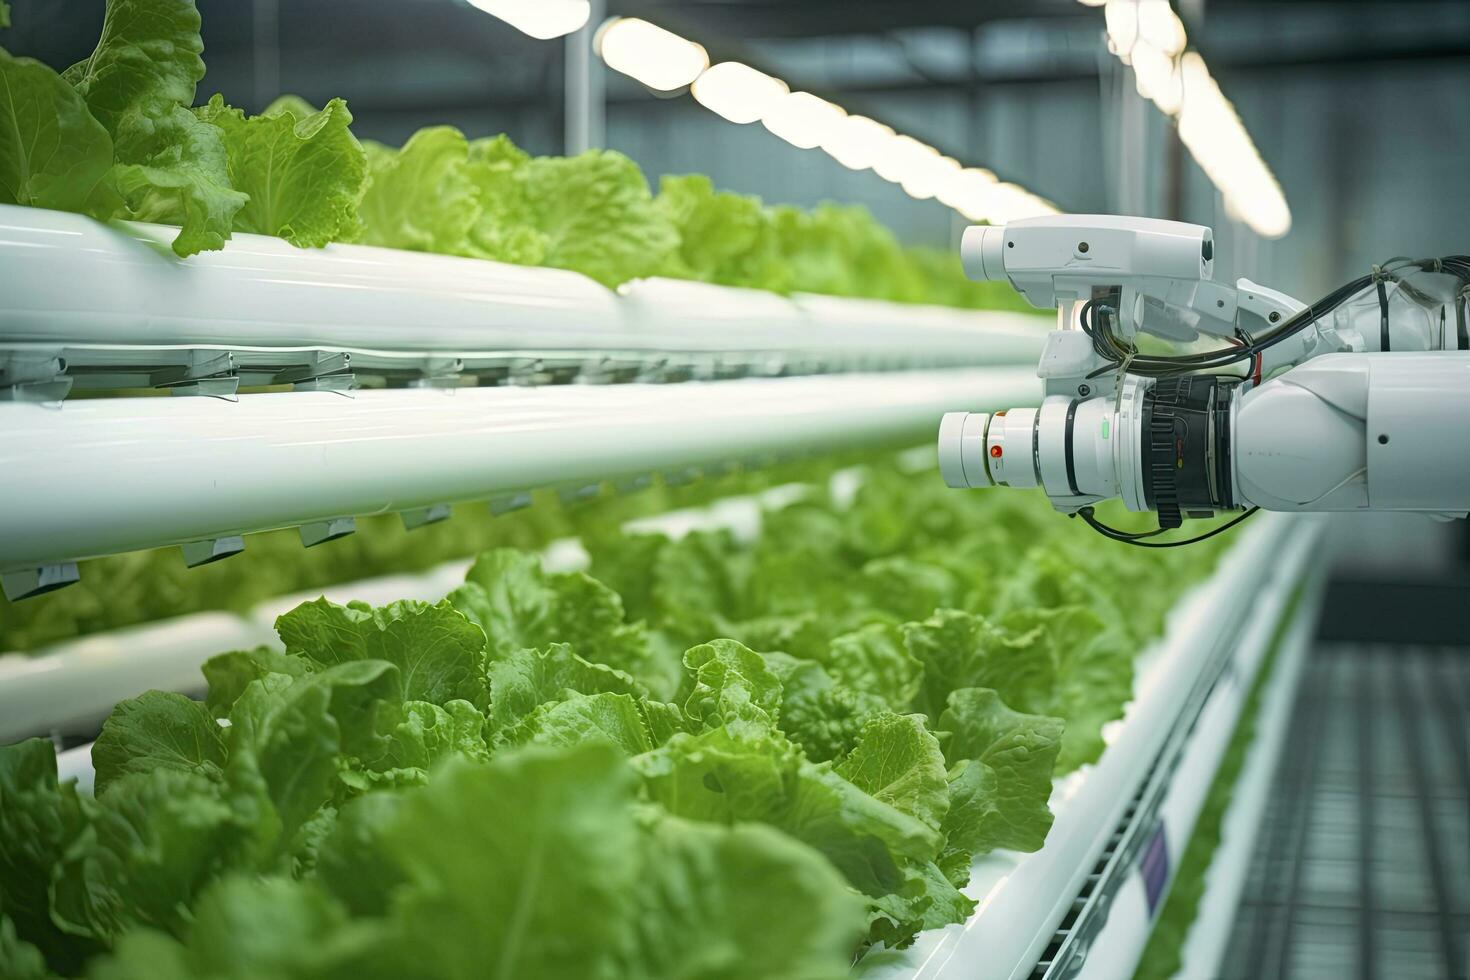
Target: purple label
1155,868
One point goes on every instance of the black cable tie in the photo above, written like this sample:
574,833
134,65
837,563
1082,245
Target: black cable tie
1462,335
1383,341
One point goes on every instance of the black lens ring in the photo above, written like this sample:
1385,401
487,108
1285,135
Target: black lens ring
1186,447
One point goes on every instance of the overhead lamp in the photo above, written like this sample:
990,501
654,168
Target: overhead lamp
901,157
1219,143
666,62
1158,78
1007,202
966,189
1134,23
803,120
541,19
738,92
926,179
660,59
1149,36
857,142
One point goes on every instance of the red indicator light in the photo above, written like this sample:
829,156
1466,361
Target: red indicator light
995,452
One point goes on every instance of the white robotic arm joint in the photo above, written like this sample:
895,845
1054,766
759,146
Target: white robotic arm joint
1356,402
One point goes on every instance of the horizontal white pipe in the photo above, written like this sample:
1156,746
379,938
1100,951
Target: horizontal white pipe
101,476
66,280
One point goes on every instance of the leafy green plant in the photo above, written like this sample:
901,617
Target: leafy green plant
820,768
301,168
117,136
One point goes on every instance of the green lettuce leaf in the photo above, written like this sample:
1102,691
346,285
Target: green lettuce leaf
304,171
723,238
247,928
522,867
352,863
927,899
53,152
139,83
741,773
1000,779
598,216
19,960
148,54
828,721
157,730
729,683
520,605
580,718
430,733
898,761
160,837
440,655
505,229
728,904
175,171
420,197
228,674
818,714
961,650
41,823
526,679
1062,662
908,589
288,739
874,660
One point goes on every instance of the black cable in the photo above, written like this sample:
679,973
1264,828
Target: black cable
1462,336
1125,537
1382,313
1096,320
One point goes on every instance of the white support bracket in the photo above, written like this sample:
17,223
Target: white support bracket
198,553
572,494
424,516
320,532
25,583
506,503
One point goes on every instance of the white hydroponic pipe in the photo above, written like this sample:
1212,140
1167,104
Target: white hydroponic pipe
102,476
69,281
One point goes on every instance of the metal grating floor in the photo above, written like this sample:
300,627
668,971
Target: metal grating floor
1362,868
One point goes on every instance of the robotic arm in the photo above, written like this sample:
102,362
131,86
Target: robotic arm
1189,397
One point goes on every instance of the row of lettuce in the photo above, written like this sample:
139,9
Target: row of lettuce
563,774
146,586
117,135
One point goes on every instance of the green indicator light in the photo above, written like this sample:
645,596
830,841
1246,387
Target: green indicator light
1105,428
